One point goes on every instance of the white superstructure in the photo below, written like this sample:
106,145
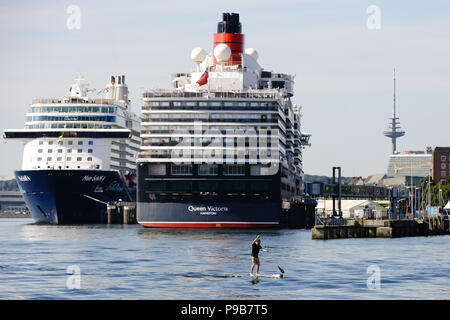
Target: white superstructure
79,132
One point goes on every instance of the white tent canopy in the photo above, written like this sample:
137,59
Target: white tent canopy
447,206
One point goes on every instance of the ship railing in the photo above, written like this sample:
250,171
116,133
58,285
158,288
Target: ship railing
323,220
62,101
249,94
209,108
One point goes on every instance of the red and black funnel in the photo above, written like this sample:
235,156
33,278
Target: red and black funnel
229,33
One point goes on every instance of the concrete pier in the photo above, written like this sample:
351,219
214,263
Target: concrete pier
382,229
121,213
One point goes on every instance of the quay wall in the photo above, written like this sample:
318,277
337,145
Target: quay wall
382,229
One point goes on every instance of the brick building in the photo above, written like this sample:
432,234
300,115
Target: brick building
441,164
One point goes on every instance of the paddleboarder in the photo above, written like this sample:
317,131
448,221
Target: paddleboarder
256,246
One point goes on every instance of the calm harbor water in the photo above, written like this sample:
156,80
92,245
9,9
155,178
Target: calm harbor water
132,262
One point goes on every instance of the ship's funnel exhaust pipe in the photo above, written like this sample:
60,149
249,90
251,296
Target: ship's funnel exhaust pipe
229,33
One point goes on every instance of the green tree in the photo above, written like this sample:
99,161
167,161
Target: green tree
444,186
9,185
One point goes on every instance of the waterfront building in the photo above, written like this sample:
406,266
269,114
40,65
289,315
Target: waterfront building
441,164
410,163
12,201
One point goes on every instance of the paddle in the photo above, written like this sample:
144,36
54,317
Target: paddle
282,272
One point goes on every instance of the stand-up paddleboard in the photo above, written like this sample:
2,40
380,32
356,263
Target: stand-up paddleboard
253,279
229,275
273,276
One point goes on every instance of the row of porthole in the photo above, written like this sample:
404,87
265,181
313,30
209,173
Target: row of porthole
60,159
67,167
68,151
70,142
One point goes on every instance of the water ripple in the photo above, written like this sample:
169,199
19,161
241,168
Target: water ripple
131,262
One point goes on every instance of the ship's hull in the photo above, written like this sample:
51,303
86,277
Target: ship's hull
70,196
209,215
214,201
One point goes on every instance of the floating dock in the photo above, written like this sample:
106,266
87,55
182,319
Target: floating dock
364,228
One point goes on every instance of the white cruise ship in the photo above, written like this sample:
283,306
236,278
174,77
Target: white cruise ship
79,153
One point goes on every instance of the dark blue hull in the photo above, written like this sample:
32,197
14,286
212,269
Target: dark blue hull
209,215
71,196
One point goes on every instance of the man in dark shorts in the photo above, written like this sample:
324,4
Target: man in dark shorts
256,246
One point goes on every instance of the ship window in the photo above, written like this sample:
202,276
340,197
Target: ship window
157,186
234,170
70,142
206,169
233,186
180,185
60,142
80,143
208,186
41,143
80,150
91,142
89,159
59,150
278,84
157,169
49,158
69,150
50,151
79,158
59,159
39,159
181,169
89,150
50,143
69,158
259,186
39,150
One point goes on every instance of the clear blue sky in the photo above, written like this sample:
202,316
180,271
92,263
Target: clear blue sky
343,69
